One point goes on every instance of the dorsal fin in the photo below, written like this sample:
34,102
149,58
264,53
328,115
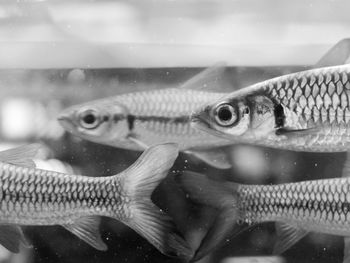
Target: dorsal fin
337,55
207,80
22,155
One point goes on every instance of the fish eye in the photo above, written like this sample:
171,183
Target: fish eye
226,115
89,119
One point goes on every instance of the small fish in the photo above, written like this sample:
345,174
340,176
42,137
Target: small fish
297,208
31,196
138,120
305,111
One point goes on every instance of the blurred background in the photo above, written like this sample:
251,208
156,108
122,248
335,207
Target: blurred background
54,54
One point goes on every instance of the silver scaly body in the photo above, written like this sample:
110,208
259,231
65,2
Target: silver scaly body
138,120
304,111
320,206
318,99
162,116
31,196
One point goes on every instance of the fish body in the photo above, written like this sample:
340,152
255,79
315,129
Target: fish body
321,206
139,119
304,111
297,208
31,196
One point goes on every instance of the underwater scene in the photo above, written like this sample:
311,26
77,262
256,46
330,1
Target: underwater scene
174,131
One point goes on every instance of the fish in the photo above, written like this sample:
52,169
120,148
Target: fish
305,111
137,120
297,208
36,197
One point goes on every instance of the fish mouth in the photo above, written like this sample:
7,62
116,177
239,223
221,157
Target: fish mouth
200,121
66,122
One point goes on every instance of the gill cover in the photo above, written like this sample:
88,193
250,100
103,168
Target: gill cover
252,115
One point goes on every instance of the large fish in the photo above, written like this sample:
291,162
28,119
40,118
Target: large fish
297,208
138,120
30,196
305,111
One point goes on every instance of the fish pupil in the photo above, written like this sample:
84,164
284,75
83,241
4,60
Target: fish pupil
225,114
89,118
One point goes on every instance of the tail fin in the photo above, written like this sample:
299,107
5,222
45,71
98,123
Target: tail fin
147,219
220,195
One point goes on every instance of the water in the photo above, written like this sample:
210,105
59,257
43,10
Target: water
58,54
251,165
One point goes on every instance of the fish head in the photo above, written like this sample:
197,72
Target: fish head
245,116
97,122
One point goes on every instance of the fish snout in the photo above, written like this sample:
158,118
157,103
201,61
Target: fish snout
195,117
66,122
200,117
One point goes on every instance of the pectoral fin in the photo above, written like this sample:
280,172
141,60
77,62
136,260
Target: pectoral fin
287,236
346,250
223,229
22,155
87,229
11,237
337,55
219,195
217,157
132,137
207,80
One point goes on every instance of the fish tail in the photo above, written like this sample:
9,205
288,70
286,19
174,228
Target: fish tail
221,195
147,219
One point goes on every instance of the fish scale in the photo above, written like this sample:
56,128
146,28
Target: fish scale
322,206
324,93
304,111
165,106
42,198
297,208
165,102
31,196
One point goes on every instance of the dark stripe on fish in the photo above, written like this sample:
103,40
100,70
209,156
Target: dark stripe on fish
118,117
180,119
279,116
131,119
301,204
